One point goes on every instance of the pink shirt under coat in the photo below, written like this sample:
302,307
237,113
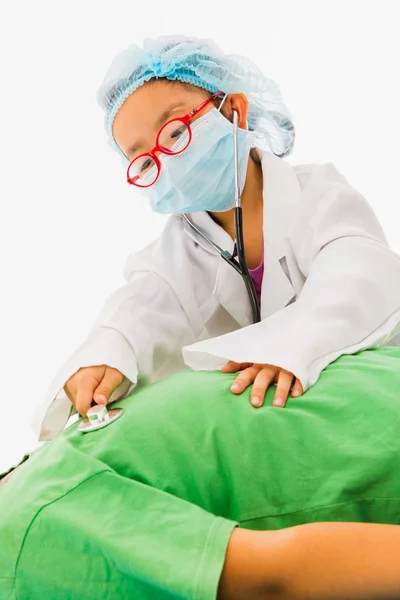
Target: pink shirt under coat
257,276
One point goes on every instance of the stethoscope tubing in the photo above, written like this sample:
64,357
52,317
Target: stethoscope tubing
240,264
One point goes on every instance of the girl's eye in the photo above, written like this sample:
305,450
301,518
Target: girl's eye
146,165
177,133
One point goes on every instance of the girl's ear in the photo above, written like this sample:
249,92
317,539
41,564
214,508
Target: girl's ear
239,103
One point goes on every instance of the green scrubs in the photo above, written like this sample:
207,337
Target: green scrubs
144,507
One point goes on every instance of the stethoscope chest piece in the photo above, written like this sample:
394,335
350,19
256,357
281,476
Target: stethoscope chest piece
99,416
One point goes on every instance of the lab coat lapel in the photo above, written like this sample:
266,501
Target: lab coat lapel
228,286
281,190
230,291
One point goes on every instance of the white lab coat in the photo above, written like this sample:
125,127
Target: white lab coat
331,286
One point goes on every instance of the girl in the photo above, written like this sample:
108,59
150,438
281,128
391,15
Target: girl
326,280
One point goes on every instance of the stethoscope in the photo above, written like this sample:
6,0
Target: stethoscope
240,264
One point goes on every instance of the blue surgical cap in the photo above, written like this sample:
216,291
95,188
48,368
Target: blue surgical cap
201,63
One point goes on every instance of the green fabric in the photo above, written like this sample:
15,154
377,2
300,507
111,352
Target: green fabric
144,508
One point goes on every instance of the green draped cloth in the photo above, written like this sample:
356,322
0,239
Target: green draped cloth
144,507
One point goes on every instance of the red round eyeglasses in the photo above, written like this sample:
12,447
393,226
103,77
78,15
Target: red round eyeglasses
173,138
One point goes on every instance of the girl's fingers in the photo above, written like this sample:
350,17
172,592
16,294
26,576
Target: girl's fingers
84,396
297,389
243,380
283,388
261,383
234,367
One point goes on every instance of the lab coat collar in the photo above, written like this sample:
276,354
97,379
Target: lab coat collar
281,192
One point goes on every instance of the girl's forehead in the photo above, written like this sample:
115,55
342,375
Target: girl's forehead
161,91
140,115
145,105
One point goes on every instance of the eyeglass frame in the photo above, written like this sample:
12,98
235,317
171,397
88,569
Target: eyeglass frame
157,148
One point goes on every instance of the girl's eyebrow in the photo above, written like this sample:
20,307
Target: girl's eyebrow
167,113
159,122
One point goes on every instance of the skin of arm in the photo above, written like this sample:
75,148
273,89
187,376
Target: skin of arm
318,561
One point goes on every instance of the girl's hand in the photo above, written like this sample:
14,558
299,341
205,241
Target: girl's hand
262,376
92,384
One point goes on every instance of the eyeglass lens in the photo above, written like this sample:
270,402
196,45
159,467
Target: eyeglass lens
173,138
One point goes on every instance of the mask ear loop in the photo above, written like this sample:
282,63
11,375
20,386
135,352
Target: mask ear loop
220,106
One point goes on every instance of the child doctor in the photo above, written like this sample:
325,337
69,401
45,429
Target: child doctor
325,279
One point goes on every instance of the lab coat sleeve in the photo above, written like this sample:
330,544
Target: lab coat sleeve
350,300
141,328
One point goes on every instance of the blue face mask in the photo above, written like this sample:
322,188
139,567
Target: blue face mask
202,178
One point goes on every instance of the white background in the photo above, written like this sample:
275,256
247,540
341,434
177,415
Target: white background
69,220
